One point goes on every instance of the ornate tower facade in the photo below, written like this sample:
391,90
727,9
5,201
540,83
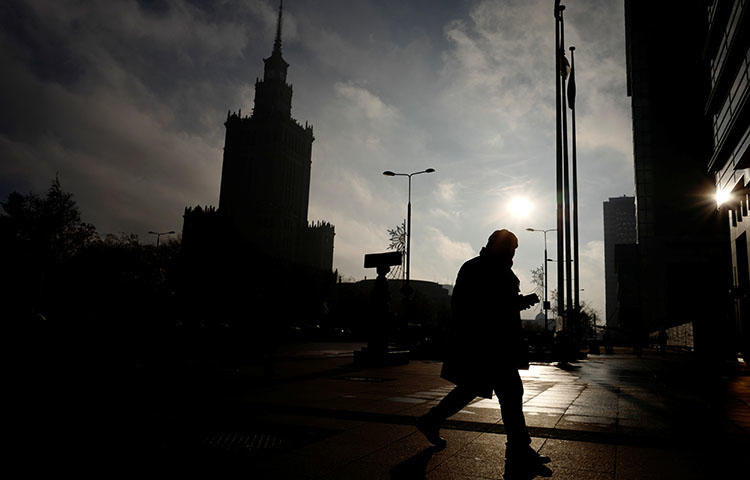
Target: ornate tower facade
265,178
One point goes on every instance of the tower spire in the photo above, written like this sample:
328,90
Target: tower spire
277,41
273,94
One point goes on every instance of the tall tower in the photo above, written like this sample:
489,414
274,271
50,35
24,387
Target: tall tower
265,179
619,229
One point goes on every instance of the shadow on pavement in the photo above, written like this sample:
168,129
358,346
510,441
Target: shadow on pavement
540,471
567,366
414,468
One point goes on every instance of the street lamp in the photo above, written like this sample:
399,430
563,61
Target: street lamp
159,234
546,303
389,173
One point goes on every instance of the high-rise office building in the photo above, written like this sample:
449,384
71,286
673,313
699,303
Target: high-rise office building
681,252
726,53
619,229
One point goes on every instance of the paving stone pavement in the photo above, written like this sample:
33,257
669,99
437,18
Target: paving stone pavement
607,417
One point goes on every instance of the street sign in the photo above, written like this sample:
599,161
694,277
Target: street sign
387,259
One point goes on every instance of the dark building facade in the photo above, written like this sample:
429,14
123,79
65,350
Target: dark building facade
681,251
726,55
619,229
627,320
265,178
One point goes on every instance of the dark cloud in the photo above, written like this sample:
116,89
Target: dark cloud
45,52
126,100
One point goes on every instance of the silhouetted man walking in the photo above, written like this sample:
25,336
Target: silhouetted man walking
487,346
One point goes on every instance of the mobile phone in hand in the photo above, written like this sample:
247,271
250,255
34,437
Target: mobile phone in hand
530,299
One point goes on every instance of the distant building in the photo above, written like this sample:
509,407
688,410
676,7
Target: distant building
619,229
681,246
726,53
265,178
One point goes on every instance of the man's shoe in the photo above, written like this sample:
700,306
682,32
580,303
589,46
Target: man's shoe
525,454
533,457
431,431
524,459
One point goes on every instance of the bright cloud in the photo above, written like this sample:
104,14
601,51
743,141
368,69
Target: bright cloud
371,106
446,191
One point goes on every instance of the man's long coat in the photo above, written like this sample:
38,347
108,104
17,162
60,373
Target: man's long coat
485,331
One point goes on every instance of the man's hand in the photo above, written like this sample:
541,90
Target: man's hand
527,301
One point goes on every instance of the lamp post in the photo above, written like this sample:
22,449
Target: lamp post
159,234
546,303
389,173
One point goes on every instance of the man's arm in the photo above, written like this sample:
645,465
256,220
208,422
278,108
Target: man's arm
526,301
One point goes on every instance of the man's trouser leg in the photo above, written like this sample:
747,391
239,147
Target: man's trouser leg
509,391
451,404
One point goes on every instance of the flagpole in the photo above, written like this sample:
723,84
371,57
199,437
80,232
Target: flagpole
558,164
572,101
566,182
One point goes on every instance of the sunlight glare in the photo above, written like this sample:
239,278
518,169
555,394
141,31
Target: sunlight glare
520,207
722,196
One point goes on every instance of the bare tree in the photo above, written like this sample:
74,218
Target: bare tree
397,238
537,278
589,314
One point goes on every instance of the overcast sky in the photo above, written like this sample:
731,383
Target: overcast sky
126,100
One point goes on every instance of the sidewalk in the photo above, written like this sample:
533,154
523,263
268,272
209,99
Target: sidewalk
608,417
